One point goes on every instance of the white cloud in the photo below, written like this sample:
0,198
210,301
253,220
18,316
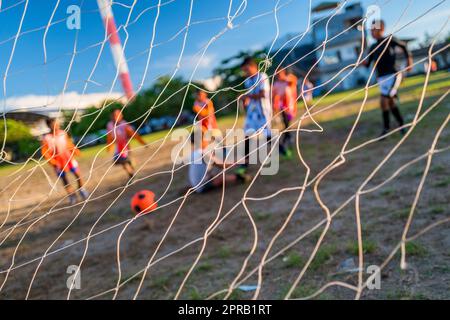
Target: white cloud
213,83
189,62
204,62
67,101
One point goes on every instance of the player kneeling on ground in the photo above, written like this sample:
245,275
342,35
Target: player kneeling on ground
59,150
205,170
205,113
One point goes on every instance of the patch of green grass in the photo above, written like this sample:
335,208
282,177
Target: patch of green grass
402,213
388,192
161,282
129,278
416,173
303,291
293,260
438,209
181,272
194,294
406,295
323,255
316,234
224,252
439,169
415,249
261,216
410,90
205,267
442,268
366,228
236,295
442,183
367,245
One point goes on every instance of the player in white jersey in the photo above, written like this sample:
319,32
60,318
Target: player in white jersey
257,104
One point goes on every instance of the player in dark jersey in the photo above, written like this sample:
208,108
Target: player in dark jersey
384,55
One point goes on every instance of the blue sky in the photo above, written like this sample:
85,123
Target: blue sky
29,75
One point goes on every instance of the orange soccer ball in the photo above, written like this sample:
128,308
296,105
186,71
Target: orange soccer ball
143,202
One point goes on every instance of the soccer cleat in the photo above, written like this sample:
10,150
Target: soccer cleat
247,178
83,193
382,134
287,155
72,199
244,177
241,171
131,178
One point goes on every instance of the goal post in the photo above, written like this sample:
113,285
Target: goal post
116,47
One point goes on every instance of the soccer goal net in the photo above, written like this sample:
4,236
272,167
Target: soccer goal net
318,166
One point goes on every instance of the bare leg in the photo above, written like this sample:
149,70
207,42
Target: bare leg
129,169
83,193
69,189
80,181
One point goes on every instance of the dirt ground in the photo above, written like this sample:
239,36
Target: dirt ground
53,236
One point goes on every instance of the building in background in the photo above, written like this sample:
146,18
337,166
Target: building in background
34,120
345,31
344,35
441,58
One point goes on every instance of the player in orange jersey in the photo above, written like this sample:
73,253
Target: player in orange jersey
284,103
206,117
119,135
292,81
59,150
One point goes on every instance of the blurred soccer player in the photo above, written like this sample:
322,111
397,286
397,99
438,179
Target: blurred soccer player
205,168
284,103
118,138
204,109
256,103
59,150
307,90
384,55
292,80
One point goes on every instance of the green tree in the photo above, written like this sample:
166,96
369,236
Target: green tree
165,96
15,131
232,77
18,138
94,119
230,69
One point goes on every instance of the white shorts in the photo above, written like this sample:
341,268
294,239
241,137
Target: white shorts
389,84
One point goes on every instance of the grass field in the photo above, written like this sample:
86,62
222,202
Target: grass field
411,86
38,219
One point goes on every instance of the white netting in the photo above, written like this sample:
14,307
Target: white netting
177,251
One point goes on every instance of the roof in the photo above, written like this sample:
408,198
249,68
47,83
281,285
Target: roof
29,117
326,5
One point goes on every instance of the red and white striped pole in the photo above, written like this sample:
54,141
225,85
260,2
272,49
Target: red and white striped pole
116,47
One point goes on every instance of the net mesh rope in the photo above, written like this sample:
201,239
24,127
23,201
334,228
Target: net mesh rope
307,123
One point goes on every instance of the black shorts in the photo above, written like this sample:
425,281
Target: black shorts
120,160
